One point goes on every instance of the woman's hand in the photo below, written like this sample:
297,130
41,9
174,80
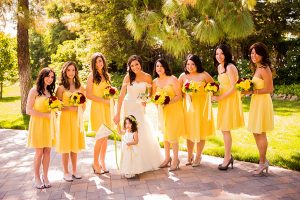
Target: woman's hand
247,92
144,104
106,101
117,119
215,98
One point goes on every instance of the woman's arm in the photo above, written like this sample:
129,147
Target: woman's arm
121,98
89,91
30,103
208,78
177,89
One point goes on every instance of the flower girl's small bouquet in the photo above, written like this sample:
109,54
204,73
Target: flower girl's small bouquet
77,99
244,85
190,87
161,98
54,105
110,92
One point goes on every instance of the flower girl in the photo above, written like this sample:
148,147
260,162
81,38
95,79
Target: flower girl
131,162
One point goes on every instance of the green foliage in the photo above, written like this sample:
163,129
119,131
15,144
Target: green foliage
8,60
293,89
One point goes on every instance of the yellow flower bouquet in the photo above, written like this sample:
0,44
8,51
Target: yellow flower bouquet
77,98
244,85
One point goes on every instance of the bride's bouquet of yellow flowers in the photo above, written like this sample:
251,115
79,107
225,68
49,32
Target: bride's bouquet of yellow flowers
244,85
161,98
77,98
110,92
190,87
53,103
212,88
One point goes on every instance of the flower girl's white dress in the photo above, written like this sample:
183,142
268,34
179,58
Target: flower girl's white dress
131,161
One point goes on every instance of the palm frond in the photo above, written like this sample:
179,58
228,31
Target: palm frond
207,31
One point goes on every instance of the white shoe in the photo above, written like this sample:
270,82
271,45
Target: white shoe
68,177
129,175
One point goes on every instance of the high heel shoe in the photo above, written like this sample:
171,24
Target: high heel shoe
39,185
46,184
221,167
190,162
196,164
97,172
166,164
261,168
175,168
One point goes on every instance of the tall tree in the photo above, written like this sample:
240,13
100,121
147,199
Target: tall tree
23,51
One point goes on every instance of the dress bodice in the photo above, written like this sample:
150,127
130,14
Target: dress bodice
135,89
40,104
258,83
98,89
168,89
128,137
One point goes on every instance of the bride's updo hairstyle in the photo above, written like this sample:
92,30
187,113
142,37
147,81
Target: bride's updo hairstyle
132,75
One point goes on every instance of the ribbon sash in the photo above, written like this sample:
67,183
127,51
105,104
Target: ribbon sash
160,123
189,104
80,118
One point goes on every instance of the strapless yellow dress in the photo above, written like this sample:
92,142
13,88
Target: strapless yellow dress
69,139
39,135
197,125
230,112
173,117
100,112
261,115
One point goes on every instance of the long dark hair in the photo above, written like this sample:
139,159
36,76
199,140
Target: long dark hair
196,59
165,65
262,50
133,122
40,84
64,78
96,75
132,58
228,56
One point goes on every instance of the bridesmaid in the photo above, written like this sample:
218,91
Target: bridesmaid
69,140
230,113
197,125
261,117
97,81
39,136
173,118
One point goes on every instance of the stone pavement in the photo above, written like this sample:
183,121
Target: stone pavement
204,182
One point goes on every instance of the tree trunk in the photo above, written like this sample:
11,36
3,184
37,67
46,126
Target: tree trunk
23,51
1,89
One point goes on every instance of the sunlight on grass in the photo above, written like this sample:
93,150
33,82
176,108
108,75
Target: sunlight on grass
284,145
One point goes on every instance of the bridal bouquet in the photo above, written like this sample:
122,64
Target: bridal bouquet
244,84
77,98
161,98
212,88
53,103
190,87
110,92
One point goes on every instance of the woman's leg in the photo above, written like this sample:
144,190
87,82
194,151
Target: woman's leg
227,143
262,145
74,162
200,147
97,149
190,149
37,164
46,163
65,162
103,153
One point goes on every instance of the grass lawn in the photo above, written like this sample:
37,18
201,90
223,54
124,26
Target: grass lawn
284,145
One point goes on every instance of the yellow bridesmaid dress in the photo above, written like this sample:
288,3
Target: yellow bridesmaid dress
261,116
100,112
39,135
197,125
230,112
69,139
173,117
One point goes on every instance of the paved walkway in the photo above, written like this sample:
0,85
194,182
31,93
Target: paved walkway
204,182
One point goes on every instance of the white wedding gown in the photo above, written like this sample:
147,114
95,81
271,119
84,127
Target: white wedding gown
148,143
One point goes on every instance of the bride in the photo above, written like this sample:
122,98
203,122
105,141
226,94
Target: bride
135,83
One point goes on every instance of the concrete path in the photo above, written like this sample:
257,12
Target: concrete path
204,182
